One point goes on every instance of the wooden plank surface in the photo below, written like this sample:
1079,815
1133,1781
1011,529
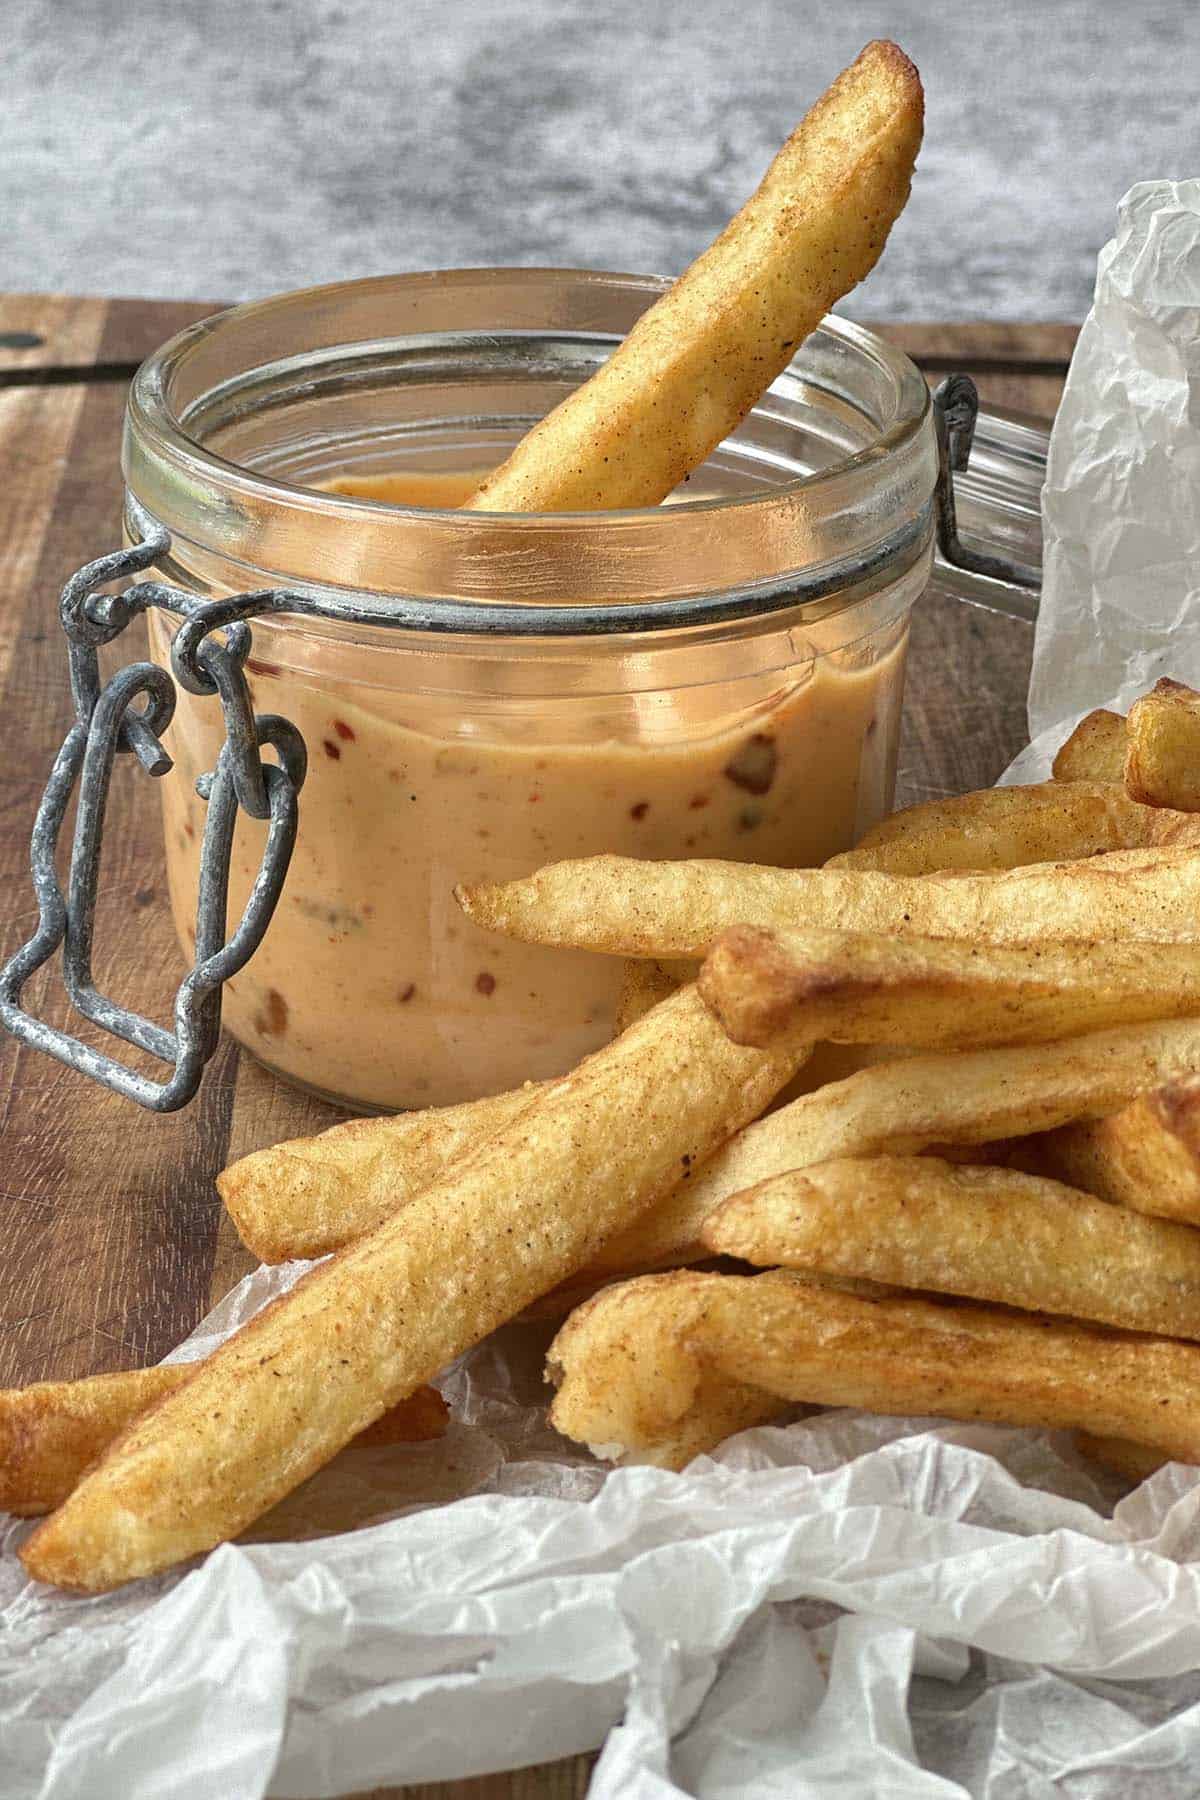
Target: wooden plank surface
112,1244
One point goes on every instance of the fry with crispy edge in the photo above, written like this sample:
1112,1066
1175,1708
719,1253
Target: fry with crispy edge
629,1363
359,1333
306,1197
929,994
695,363
1010,828
1161,747
982,1233
900,1105
51,1432
1162,754
644,985
1146,1156
311,1195
1095,750
719,1409
905,1106
623,907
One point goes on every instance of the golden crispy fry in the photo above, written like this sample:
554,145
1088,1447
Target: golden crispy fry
312,1195
720,1409
930,994
1146,1156
1095,750
51,1432
629,1363
982,1233
904,1106
1162,756
1135,1461
624,907
359,1333
1008,828
643,985
695,363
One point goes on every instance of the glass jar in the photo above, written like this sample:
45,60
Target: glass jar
721,676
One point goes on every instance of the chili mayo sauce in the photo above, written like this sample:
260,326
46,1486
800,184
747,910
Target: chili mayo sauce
370,985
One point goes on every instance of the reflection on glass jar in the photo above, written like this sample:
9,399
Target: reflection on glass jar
438,757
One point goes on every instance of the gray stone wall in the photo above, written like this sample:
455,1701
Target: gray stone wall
219,148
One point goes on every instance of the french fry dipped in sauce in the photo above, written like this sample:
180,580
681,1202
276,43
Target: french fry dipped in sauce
788,762
696,362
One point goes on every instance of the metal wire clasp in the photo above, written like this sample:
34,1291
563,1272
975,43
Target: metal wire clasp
955,411
109,722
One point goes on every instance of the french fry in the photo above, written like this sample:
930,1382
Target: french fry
312,1195
1146,1156
720,1409
643,986
981,1233
623,907
306,1197
1135,1461
51,1432
1009,828
1095,750
695,363
853,987
1162,755
360,1332
902,1107
630,1362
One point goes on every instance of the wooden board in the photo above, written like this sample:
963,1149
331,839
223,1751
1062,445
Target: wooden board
112,1244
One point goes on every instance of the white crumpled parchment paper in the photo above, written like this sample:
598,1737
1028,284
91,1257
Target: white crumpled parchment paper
845,1604
842,1605
1120,513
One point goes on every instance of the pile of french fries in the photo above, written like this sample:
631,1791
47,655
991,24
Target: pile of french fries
996,1215
994,1231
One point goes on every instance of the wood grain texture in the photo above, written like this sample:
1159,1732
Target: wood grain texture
66,327
118,1206
112,1244
38,423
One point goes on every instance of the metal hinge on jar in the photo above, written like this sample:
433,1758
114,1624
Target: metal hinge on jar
109,722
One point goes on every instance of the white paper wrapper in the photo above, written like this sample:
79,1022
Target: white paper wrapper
844,1605
1121,522
795,1616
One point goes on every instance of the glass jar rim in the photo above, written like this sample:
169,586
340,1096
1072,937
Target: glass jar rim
504,541
151,384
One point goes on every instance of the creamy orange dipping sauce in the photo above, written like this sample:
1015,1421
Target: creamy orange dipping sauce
370,985
429,487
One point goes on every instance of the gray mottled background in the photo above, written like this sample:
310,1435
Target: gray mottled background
221,148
